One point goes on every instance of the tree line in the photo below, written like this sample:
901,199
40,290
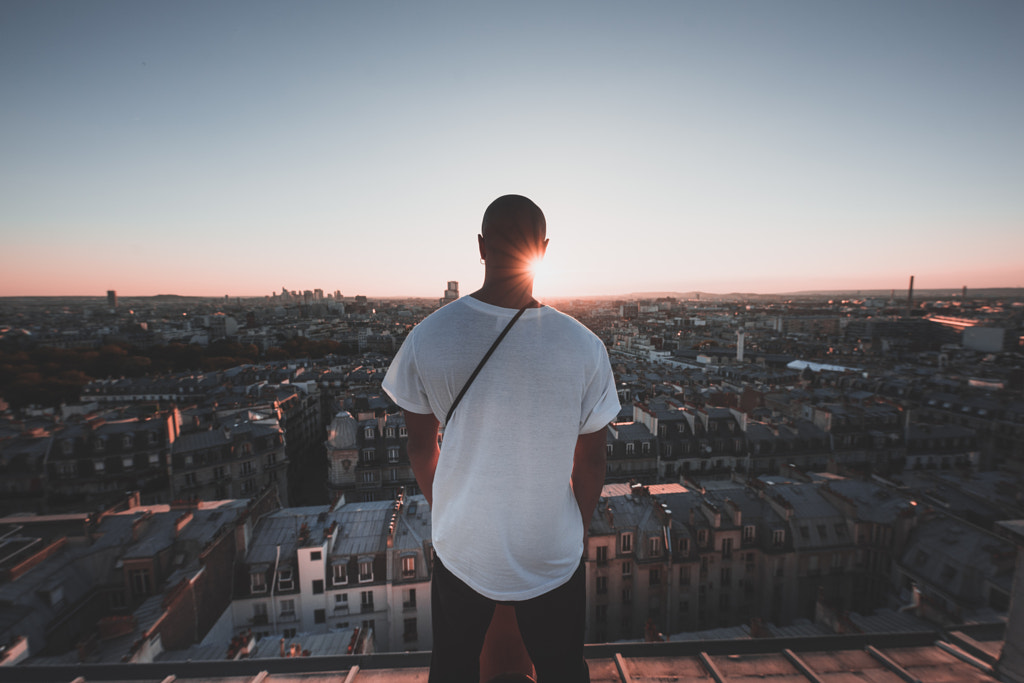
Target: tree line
48,377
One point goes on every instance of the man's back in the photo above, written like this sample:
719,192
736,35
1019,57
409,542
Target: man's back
505,520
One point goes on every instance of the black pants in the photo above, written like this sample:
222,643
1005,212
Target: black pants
552,626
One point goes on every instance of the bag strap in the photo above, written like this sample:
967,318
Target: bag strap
483,360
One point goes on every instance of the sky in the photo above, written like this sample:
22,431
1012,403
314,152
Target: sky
235,148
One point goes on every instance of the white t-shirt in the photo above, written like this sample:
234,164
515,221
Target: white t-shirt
504,518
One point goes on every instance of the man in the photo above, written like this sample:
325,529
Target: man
515,482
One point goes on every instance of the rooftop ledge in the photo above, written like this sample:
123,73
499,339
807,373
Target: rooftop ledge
923,656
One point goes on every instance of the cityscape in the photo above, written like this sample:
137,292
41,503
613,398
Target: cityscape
199,479
795,226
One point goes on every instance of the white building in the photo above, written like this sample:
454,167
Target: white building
358,565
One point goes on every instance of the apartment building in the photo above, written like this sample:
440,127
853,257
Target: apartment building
243,457
676,558
362,565
367,456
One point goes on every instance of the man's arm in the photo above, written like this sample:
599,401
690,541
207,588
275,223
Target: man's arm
588,470
423,450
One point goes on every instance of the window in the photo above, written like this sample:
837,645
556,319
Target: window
627,596
99,465
609,450
140,581
284,580
319,616
318,586
805,533
98,445
702,537
369,477
409,598
627,569
67,445
684,576
626,542
341,601
154,459
366,601
315,555
654,578
365,571
390,432
778,537
368,455
748,533
629,448
408,566
726,576
247,468
259,613
403,432
602,554
602,585
340,574
392,455
654,544
288,607
258,582
726,547
684,545
128,462
126,441
369,433
409,632
645,447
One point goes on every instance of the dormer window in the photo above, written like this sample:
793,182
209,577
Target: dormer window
98,445
629,448
748,533
126,441
403,432
369,433
778,537
609,450
365,571
702,537
258,582
391,432
284,580
340,574
392,455
645,447
654,545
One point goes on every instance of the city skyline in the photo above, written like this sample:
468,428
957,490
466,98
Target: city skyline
237,148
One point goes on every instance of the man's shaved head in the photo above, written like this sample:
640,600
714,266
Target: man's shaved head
514,219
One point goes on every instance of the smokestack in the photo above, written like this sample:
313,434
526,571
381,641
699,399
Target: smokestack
963,295
910,296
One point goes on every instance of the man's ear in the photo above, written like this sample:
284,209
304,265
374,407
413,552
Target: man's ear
482,247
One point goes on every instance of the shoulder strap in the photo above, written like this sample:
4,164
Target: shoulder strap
483,360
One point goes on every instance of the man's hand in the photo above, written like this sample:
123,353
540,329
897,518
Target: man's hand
588,470
423,450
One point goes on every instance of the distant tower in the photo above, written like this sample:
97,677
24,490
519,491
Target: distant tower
450,294
740,333
910,296
964,294
112,298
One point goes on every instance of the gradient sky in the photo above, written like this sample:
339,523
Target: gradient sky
211,148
